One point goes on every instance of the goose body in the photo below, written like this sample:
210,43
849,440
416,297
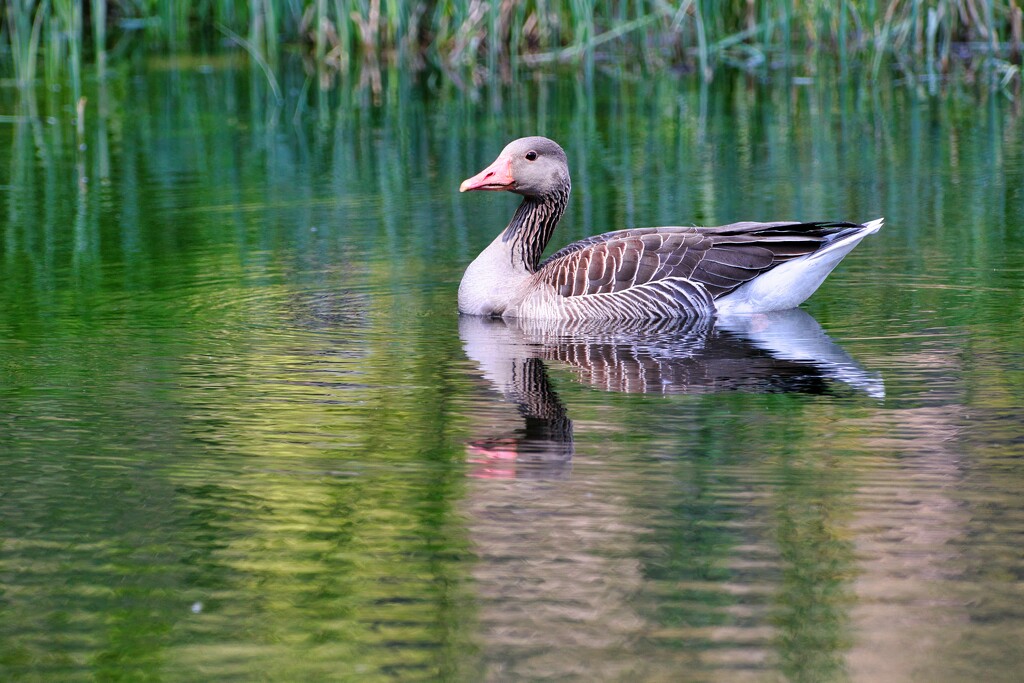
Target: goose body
639,273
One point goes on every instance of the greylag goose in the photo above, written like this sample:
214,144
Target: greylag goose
639,273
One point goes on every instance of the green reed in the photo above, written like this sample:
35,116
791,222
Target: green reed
483,37
23,22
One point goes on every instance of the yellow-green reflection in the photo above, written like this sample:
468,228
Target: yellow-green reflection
237,411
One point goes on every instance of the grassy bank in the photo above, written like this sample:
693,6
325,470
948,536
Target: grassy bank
51,40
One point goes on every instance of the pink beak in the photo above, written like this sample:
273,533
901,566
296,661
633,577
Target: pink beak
497,176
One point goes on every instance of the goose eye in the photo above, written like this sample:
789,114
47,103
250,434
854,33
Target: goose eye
531,155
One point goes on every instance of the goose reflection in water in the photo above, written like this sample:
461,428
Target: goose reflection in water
783,351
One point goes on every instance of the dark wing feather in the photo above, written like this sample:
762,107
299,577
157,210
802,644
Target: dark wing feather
719,259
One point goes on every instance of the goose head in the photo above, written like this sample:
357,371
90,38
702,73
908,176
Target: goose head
532,167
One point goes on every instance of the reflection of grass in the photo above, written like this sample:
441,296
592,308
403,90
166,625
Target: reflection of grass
162,257
699,35
186,245
656,152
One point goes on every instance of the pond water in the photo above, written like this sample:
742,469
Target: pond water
245,435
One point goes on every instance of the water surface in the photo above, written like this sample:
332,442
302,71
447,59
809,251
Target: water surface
246,436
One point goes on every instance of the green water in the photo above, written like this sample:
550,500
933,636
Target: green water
244,435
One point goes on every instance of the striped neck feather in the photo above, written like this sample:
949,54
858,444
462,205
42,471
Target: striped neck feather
532,225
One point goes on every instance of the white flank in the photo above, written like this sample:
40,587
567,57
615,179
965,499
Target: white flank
790,284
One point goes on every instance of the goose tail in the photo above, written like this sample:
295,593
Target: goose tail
790,284
845,243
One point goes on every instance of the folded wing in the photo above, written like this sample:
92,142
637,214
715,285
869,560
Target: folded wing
717,260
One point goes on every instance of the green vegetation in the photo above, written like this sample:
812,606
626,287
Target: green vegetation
236,408
965,38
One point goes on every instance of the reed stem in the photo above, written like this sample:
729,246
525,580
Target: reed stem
919,35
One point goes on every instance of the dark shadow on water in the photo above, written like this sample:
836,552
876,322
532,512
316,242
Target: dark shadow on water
785,351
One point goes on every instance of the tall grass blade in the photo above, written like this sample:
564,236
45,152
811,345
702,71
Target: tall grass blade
67,22
257,57
24,31
932,30
99,36
702,42
1017,33
464,35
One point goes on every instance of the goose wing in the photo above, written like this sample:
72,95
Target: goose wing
717,260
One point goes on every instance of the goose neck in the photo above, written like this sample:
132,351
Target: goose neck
532,225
